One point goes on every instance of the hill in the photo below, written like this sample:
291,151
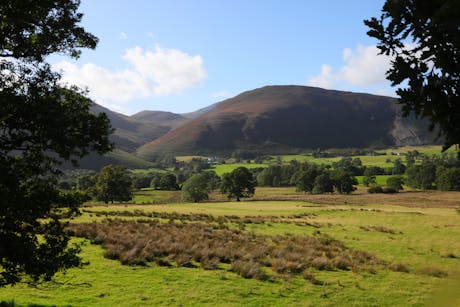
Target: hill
130,133
284,118
166,119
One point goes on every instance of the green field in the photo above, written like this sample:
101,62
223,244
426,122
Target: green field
385,160
417,231
379,179
228,168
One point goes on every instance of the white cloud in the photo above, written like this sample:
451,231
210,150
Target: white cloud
171,70
325,79
121,86
123,35
159,72
363,67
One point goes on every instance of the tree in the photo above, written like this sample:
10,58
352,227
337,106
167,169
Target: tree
344,181
113,183
237,184
423,38
196,188
448,179
168,182
369,180
421,176
323,184
395,183
305,179
398,167
42,124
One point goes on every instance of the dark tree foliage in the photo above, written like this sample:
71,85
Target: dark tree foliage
168,182
344,181
305,179
196,188
398,167
237,184
42,124
276,175
351,165
323,184
369,180
421,176
448,179
113,183
424,38
395,183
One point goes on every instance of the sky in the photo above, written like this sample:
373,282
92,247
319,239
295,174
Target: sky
183,55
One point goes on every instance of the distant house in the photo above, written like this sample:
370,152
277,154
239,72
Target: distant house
214,160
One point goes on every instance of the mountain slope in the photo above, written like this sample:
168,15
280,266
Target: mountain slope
166,119
276,118
130,133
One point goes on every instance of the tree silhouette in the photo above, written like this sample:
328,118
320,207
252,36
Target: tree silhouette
42,124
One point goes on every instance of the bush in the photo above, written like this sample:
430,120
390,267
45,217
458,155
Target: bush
395,183
388,190
375,189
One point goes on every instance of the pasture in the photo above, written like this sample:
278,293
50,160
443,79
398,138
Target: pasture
411,239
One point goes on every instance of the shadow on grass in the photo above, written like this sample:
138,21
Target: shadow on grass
13,304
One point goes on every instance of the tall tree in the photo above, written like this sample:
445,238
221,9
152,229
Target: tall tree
424,39
239,183
42,124
196,188
113,183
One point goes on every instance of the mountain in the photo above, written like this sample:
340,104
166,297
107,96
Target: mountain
131,133
198,113
285,118
166,119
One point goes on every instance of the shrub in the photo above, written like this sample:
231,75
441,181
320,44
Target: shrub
136,243
375,189
399,267
433,271
395,183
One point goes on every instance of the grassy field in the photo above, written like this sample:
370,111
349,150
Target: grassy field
385,160
228,168
415,232
379,179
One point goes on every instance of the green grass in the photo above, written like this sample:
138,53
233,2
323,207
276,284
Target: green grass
221,169
423,238
128,159
379,179
381,161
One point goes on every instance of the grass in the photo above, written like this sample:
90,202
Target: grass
189,158
415,234
379,179
381,161
221,169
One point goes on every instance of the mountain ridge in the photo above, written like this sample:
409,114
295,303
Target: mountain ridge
292,117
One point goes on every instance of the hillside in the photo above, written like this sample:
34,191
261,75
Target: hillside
130,133
283,118
166,119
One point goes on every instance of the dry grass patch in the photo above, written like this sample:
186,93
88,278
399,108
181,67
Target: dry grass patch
190,244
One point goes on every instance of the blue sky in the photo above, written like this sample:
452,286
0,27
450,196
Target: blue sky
180,56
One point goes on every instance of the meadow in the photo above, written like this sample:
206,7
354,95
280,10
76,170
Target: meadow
385,250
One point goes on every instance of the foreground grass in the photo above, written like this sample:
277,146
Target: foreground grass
413,231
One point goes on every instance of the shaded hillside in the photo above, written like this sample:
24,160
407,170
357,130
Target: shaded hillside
276,118
130,133
95,161
167,119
